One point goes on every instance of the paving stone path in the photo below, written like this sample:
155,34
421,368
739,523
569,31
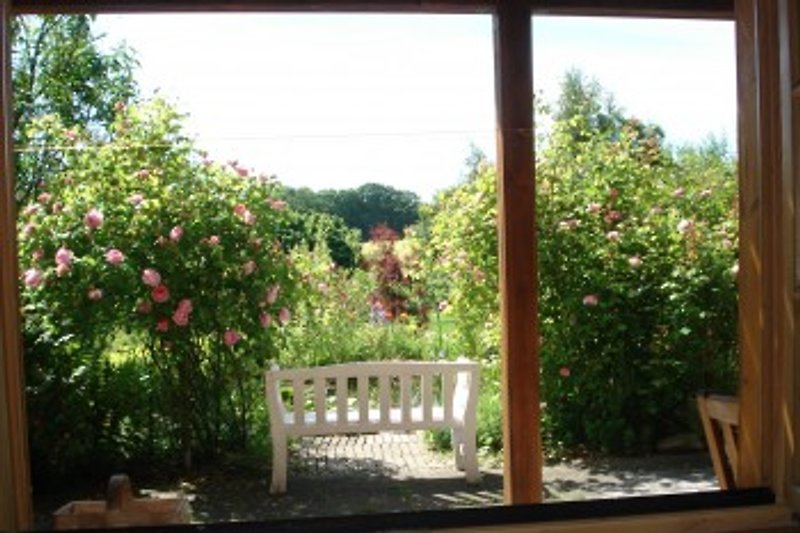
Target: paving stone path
391,472
396,472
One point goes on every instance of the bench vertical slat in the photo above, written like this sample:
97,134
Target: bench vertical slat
405,397
386,399
448,387
298,399
341,400
319,400
363,400
427,397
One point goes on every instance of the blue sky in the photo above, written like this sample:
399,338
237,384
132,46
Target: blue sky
333,101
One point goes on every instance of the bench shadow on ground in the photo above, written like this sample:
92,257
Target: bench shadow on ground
343,486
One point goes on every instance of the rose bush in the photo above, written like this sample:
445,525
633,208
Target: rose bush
637,288
142,235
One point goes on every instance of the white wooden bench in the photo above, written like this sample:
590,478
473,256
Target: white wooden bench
357,398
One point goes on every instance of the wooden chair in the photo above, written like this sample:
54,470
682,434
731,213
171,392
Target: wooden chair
720,417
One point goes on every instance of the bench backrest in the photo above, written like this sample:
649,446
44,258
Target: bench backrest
373,396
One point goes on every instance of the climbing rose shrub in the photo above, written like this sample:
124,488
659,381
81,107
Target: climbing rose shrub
637,248
143,235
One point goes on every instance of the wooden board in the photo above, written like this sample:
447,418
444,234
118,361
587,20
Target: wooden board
517,254
742,519
15,509
706,9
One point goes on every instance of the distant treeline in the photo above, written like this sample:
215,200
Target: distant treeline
361,208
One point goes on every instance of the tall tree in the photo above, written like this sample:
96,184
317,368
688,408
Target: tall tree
59,67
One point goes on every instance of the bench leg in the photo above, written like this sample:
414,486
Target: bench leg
457,439
279,453
465,452
469,456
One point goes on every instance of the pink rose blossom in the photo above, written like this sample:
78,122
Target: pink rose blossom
180,318
160,293
37,254
612,236
243,172
231,337
62,270
136,198
564,372
249,218
680,192
182,312
277,205
265,319
284,316
593,208
272,294
64,256
57,207
727,243
144,307
151,277
613,216
685,225
33,277
590,300
613,193
29,229
95,294
143,174
635,261
44,197
570,224
240,209
162,325
185,305
31,210
249,267
114,256
176,233
443,305
71,135
93,219
213,240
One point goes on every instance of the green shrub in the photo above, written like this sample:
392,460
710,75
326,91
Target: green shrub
637,289
141,236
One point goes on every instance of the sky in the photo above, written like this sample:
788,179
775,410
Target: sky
337,100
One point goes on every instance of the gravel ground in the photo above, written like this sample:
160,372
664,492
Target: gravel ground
395,472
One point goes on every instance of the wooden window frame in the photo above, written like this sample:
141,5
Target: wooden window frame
769,131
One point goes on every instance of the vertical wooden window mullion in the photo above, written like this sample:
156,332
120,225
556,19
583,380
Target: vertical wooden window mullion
15,494
766,338
790,47
517,253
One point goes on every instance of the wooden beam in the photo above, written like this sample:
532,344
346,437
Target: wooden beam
517,253
745,520
15,505
709,9
765,273
789,408
706,9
